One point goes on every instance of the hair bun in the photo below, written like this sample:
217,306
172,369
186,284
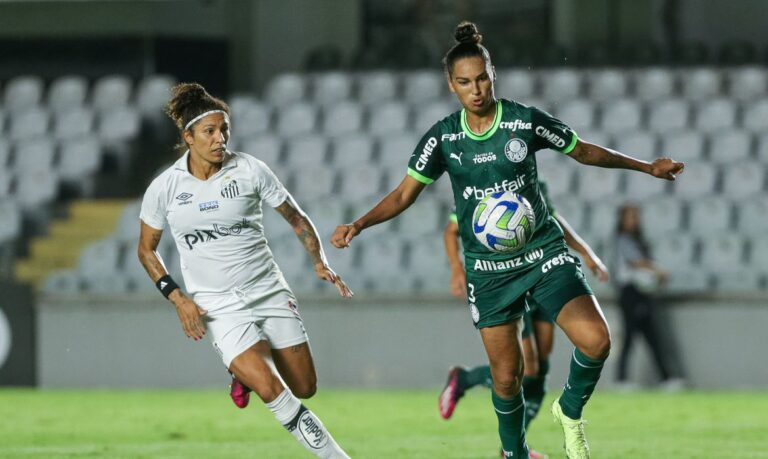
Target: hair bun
466,32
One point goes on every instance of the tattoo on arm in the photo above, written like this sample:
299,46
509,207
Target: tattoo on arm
303,228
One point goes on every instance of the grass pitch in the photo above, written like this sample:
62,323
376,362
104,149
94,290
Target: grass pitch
375,424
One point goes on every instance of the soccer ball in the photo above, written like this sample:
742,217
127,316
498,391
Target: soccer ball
503,221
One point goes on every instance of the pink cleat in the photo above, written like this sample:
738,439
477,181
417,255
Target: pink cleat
451,393
240,393
533,454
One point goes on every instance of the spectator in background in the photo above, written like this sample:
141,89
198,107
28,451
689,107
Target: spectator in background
637,278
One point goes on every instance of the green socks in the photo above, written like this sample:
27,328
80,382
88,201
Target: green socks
534,388
585,372
511,415
476,376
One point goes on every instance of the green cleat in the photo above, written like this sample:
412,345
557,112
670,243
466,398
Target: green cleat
576,446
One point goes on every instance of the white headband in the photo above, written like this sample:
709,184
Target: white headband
203,115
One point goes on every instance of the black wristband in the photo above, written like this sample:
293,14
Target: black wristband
166,285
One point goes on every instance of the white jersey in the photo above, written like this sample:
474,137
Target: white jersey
217,225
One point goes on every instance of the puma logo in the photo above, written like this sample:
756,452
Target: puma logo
457,157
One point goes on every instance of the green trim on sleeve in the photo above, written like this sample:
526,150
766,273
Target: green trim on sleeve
419,177
491,130
570,147
453,217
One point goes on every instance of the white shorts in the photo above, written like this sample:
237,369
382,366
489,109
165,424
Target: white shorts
235,323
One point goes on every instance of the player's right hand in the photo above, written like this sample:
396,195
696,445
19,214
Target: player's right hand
190,315
343,235
459,284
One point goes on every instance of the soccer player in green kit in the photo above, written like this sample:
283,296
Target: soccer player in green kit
488,146
538,326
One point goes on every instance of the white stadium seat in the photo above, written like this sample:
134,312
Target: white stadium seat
305,152
638,144
430,113
698,180
710,215
701,83
36,188
561,84
573,209
743,179
422,86
34,155
642,186
342,118
736,280
602,219
111,92
747,83
715,115
668,115
23,93
352,150
5,152
424,217
674,252
119,125
752,214
29,123
388,118
79,158
686,146
251,119
654,83
286,89
597,182
268,148
299,118
722,251
318,182
579,114
515,84
729,146
376,87
11,227
661,217
621,115
67,93
607,84
73,123
361,182
99,258
559,177
331,88
62,282
755,117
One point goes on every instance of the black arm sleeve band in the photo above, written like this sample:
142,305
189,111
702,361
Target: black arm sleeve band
166,285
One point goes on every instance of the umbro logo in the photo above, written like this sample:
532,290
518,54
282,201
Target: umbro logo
183,196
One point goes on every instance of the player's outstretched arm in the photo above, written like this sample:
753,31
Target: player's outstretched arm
572,238
307,233
391,206
189,313
595,155
458,276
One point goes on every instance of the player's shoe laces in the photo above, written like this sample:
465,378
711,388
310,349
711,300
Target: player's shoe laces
576,446
240,393
451,393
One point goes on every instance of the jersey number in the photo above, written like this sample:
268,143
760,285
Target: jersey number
471,295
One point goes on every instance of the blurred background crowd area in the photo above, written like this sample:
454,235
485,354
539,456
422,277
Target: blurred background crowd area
334,95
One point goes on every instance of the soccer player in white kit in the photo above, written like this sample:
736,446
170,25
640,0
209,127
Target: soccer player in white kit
211,201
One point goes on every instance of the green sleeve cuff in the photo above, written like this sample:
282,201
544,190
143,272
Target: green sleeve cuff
419,177
570,147
453,218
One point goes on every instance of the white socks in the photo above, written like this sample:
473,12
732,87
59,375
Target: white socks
305,426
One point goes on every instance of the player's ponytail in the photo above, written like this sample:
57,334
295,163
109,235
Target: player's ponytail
468,44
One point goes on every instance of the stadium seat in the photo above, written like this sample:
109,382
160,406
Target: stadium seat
424,217
7,183
758,252
743,179
661,217
394,174
426,259
430,113
251,119
574,210
100,259
642,186
376,87
5,153
73,123
673,252
689,281
352,150
388,118
128,225
621,116
699,180
607,84
386,253
597,182
747,83
655,83
602,220
685,145
111,92
119,125
268,148
342,118
36,188
286,89
755,117
729,146
152,93
579,114
23,93
594,136
306,152
515,84
3,116
559,178
67,93
752,213
62,282
396,150
701,83
715,115
361,182
34,155
422,86
299,118
668,115
317,184
638,144
326,214
29,123
331,88
561,84
11,227
710,215
79,159
722,251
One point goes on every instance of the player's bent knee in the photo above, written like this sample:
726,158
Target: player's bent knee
507,386
599,345
305,390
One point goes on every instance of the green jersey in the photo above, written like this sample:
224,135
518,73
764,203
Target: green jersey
501,159
544,195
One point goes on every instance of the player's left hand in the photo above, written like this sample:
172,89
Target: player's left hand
596,265
325,272
666,168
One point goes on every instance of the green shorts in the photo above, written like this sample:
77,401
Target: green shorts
533,313
553,281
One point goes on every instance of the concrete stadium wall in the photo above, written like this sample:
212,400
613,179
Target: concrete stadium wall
138,342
